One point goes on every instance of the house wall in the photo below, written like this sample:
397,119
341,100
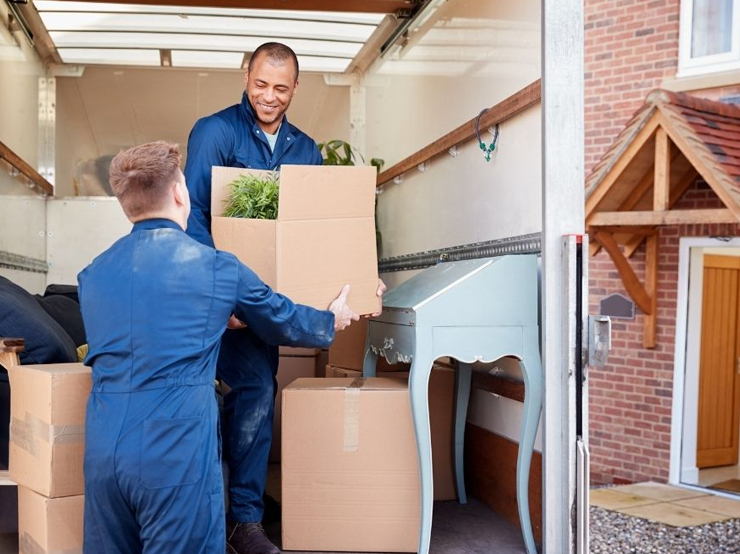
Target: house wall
631,398
631,48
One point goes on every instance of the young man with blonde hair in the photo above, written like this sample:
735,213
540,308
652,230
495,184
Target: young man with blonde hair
155,306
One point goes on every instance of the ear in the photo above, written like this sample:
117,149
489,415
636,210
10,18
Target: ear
179,192
295,87
246,78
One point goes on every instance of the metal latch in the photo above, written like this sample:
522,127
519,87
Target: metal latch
599,339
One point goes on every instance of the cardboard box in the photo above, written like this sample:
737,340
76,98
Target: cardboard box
322,360
441,422
290,368
49,525
350,473
47,427
348,349
323,238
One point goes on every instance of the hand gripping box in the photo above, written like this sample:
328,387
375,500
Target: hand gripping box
47,427
323,238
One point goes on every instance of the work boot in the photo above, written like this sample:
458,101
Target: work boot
248,538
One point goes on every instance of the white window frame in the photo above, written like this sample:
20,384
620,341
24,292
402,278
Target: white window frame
727,61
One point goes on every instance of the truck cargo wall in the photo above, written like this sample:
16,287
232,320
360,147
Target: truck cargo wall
107,109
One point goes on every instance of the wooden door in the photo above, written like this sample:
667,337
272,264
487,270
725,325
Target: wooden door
719,382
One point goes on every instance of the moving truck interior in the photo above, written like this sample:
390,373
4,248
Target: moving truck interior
475,111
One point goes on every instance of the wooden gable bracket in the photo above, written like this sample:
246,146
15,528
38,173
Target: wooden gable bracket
646,297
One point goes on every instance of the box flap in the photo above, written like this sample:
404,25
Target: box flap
326,192
221,177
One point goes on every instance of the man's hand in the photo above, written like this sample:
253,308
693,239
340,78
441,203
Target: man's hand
381,289
235,323
343,315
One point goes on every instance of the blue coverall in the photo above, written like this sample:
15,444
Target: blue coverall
247,364
155,306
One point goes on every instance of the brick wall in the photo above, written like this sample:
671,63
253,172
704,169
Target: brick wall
631,398
630,47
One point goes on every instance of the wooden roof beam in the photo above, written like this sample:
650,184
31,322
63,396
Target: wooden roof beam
701,167
661,182
633,198
675,217
684,183
631,283
621,164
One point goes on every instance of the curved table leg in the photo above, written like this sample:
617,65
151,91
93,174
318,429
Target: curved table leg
421,368
370,363
532,372
462,397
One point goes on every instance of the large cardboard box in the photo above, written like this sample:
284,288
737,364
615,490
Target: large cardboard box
290,368
49,525
350,473
441,423
47,427
348,349
323,238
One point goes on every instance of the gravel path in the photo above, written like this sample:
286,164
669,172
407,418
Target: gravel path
615,533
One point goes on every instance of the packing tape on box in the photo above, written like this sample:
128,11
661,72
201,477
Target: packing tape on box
25,433
28,545
352,415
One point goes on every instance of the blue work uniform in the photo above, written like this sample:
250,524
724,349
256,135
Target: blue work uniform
155,306
233,138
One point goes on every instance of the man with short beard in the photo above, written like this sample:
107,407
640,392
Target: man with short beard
254,134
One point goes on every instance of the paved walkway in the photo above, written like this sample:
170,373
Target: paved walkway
666,504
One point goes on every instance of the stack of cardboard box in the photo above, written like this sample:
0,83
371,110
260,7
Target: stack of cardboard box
350,474
47,443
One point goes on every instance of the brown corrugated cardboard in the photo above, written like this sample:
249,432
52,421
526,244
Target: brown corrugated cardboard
323,238
441,422
297,351
348,349
350,474
290,368
47,429
49,525
322,360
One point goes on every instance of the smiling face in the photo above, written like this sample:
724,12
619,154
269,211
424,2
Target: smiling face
270,86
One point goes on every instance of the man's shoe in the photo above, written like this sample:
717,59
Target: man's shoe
248,538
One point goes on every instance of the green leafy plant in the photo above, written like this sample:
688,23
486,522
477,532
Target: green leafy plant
339,152
253,197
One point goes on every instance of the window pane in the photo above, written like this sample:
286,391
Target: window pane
711,31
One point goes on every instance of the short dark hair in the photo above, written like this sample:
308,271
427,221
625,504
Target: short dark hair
141,176
277,52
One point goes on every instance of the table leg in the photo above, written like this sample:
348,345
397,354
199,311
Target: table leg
462,397
370,363
532,373
421,368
